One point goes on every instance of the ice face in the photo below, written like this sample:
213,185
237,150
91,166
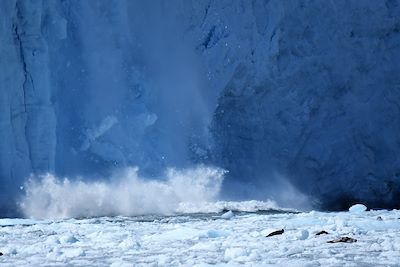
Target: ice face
322,112
292,98
28,121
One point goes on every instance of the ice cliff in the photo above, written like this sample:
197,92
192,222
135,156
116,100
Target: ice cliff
295,93
321,107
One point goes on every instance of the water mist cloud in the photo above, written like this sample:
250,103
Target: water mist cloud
125,194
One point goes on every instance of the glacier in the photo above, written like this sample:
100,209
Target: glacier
298,96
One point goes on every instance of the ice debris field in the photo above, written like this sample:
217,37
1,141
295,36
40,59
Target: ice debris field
224,238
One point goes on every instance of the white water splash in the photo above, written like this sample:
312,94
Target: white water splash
127,194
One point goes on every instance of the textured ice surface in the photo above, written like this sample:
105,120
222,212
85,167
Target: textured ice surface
206,240
300,96
315,100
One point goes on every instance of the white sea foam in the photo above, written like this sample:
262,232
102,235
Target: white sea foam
127,194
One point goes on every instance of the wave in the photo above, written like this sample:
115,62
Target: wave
126,194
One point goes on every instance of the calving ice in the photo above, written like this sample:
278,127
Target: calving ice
190,132
124,194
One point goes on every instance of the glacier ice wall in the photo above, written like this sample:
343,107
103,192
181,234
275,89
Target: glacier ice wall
283,94
324,111
27,113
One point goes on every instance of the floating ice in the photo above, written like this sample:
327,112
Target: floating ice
227,215
68,239
73,253
303,235
235,252
206,241
357,208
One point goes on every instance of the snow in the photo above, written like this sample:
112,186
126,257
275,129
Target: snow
191,240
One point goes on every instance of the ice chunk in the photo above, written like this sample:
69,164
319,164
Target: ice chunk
304,234
180,233
68,239
121,263
52,240
92,134
10,251
76,252
357,208
227,215
235,252
294,250
163,260
129,243
215,234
